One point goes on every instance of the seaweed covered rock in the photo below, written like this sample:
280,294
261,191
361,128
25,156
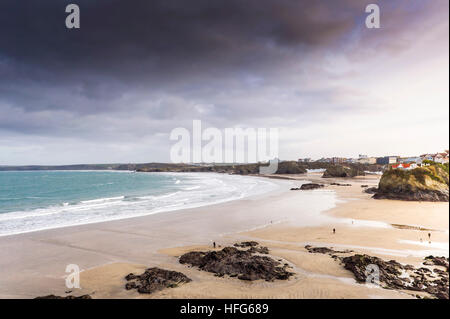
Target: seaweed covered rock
436,261
310,186
394,275
253,246
371,190
246,244
428,183
325,250
234,262
389,271
155,279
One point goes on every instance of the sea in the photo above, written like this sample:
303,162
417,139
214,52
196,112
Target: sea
38,200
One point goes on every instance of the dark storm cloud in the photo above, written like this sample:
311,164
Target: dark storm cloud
123,43
122,33
137,69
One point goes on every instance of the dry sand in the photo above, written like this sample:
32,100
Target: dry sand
33,264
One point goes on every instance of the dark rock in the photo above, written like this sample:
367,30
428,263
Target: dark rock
246,244
371,190
421,279
389,271
155,279
420,196
426,183
325,250
236,262
310,186
341,171
254,247
339,184
437,261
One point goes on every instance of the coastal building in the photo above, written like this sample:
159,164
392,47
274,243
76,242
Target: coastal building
364,159
441,158
338,160
413,159
387,160
438,157
324,160
427,157
406,166
304,160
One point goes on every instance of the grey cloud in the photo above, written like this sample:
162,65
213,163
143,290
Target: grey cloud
139,68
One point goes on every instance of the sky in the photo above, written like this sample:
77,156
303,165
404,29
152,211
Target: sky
113,90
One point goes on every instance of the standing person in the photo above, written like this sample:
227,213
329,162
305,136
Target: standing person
214,244
334,230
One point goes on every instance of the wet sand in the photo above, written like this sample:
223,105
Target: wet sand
34,264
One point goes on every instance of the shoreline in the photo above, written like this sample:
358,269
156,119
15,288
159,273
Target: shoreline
108,251
157,210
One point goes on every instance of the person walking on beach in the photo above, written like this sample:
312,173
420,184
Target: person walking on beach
214,244
334,230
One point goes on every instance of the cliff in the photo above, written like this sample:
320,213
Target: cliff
428,183
288,167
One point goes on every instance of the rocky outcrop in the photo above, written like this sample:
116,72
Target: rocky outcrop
64,297
429,278
429,183
339,184
342,171
243,264
389,271
436,261
371,190
393,275
155,279
419,195
253,246
308,186
325,250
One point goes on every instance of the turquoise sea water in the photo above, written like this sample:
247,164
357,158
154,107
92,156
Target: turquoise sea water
31,190
36,200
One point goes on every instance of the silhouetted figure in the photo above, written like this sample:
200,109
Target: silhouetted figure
429,235
334,230
214,244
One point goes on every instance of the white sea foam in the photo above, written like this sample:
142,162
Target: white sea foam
190,190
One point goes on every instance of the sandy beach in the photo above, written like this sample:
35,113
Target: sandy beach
34,264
